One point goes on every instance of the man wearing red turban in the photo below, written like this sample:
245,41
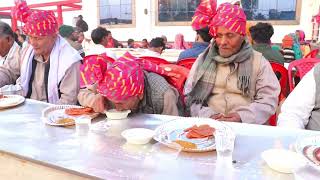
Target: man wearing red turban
129,84
200,21
230,81
48,67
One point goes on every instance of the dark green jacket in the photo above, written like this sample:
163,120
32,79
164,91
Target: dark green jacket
270,54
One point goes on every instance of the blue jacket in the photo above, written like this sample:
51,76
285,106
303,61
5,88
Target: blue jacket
197,48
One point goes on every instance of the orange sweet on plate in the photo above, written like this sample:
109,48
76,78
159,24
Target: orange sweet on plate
202,131
78,111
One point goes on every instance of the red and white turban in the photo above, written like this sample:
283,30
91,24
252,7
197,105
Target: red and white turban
231,17
38,22
204,14
122,79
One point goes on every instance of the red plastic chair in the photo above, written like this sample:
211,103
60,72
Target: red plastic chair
302,66
155,60
178,76
187,62
312,54
278,68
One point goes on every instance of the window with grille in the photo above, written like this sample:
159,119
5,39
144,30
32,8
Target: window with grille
176,10
270,10
116,12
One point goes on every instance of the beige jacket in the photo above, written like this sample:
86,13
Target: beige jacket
227,98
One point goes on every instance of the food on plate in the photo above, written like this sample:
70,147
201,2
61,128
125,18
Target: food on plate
78,111
65,121
312,153
186,144
202,131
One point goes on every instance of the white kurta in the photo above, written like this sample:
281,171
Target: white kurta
296,109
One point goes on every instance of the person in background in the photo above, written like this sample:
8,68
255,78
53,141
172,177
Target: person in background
230,81
130,43
287,49
304,46
156,48
276,47
112,43
296,46
200,22
301,108
9,49
248,26
261,35
179,42
99,37
138,87
165,40
201,43
23,40
72,36
81,24
48,69
144,44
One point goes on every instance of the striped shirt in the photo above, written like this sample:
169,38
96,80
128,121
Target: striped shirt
288,55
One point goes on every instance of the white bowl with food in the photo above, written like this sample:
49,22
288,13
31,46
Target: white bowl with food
115,115
282,160
138,135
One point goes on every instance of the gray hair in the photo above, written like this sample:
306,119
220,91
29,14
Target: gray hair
5,29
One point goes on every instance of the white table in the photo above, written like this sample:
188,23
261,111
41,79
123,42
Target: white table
29,149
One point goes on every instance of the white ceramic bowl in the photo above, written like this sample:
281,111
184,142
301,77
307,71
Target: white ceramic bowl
138,135
282,160
114,114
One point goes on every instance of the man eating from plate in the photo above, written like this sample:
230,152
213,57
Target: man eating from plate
230,81
129,84
48,69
